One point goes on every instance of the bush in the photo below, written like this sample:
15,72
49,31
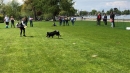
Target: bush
48,17
1,19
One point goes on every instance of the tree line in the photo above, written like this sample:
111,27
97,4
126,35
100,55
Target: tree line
115,10
39,9
47,9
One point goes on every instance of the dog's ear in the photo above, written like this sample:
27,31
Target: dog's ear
56,30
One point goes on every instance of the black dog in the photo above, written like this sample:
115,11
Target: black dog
51,34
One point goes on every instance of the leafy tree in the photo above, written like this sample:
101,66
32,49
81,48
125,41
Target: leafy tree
2,7
14,5
82,13
29,7
103,11
11,8
59,7
108,12
118,12
126,12
1,11
94,12
67,5
63,13
50,7
111,10
1,2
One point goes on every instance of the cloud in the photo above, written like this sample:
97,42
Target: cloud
20,1
100,5
122,4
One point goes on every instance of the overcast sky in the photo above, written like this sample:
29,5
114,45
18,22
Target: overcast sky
19,1
99,5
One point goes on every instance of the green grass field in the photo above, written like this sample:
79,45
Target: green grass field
83,48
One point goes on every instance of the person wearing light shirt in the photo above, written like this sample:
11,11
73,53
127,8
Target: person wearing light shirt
72,20
6,19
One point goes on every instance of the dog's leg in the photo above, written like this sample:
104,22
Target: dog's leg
49,36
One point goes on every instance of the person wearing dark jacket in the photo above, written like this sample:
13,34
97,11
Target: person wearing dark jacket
12,22
105,19
112,15
60,20
26,20
99,17
22,27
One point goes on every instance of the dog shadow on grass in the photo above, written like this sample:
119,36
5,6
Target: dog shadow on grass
54,38
58,38
30,36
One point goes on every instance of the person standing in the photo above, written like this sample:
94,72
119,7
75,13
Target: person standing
12,22
22,27
111,21
26,20
72,20
99,17
60,21
66,20
63,20
6,19
105,19
31,21
112,15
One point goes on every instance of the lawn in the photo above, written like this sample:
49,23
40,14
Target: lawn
83,48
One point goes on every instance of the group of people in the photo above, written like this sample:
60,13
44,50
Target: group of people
7,20
22,24
65,20
11,19
99,17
